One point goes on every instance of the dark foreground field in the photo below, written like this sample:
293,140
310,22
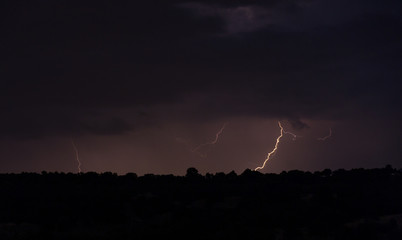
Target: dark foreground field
355,204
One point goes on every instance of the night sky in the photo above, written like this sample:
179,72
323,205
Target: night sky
137,85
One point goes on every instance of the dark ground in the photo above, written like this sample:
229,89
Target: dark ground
355,204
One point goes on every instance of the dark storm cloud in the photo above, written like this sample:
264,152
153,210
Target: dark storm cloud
35,123
286,59
320,68
297,124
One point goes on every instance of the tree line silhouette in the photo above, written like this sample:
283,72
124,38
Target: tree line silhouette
340,204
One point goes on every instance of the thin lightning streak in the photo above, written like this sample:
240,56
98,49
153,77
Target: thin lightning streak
185,142
76,155
290,133
325,138
274,150
210,143
188,146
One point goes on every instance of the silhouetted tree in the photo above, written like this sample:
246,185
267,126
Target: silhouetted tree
327,172
250,174
232,175
192,172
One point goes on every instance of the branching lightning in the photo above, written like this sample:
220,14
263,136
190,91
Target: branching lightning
290,133
76,155
199,147
274,150
325,137
213,142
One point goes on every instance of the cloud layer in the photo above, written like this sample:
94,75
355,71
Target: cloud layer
278,59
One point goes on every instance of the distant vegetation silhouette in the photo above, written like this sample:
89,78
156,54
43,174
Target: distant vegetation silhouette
341,204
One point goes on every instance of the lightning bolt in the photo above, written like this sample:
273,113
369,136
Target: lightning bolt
275,148
290,133
196,149
188,146
76,155
325,137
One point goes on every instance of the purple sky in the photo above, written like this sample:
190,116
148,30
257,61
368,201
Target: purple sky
138,85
